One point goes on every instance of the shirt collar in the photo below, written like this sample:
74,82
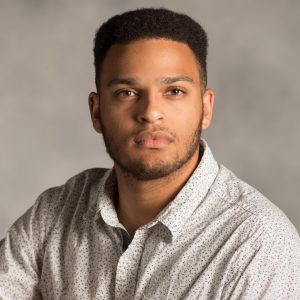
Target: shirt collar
105,199
179,210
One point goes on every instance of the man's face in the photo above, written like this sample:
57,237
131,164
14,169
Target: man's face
150,108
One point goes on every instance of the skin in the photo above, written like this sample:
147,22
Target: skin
125,110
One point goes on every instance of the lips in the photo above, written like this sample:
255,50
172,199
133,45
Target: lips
153,139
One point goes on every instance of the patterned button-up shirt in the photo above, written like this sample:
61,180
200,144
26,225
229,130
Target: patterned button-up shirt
218,239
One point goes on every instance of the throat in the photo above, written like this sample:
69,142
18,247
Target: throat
139,202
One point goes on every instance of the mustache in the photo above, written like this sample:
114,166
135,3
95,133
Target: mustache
165,132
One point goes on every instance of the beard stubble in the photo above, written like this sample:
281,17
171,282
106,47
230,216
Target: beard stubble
139,169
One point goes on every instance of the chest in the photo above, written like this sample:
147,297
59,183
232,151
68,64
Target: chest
94,265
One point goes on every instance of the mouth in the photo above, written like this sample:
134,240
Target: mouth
153,139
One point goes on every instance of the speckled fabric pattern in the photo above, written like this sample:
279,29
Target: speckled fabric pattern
218,239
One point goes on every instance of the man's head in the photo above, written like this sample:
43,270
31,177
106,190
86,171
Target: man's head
151,105
149,23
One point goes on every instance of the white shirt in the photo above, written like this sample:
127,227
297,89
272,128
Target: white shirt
218,239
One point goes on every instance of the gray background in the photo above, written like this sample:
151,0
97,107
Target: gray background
46,73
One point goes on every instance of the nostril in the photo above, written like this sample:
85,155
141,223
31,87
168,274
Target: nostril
150,118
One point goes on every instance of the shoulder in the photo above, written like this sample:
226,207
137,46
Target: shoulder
75,184
261,225
267,251
52,213
81,186
255,223
60,203
243,198
85,180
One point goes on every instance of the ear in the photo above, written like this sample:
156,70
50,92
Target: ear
208,104
94,105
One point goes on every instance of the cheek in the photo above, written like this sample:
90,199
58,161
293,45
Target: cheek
187,120
110,117
115,112
118,129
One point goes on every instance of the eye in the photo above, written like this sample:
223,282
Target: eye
125,93
176,91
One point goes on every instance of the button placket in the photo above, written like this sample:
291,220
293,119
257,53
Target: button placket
127,268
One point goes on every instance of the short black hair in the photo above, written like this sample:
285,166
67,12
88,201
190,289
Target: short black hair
146,23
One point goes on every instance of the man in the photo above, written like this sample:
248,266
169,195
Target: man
167,221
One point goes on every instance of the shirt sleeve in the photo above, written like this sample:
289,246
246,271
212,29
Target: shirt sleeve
21,251
271,271
18,267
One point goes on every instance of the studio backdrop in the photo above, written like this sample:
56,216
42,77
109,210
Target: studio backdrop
46,74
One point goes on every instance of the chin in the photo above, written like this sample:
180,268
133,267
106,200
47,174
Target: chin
144,170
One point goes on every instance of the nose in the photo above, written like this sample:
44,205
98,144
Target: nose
149,109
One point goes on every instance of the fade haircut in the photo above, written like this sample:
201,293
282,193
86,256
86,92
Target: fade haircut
147,23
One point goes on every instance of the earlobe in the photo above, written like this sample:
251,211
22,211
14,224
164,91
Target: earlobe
208,104
94,106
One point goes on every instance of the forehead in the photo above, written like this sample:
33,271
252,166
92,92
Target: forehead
150,59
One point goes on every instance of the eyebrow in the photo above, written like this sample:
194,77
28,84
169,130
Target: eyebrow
165,80
128,81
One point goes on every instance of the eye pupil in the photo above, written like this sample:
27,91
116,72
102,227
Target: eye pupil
126,93
176,91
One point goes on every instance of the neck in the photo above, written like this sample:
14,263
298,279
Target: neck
139,202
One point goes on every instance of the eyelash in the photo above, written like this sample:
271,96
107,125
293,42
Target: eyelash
178,89
120,92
